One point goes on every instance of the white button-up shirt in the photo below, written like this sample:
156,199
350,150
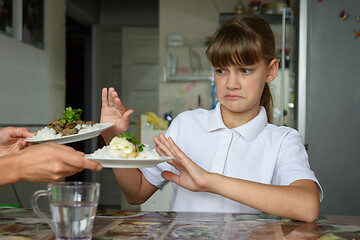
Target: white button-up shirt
256,151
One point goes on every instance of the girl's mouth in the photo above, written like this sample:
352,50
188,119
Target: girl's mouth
232,97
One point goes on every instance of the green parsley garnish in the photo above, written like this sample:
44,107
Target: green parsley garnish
70,115
134,140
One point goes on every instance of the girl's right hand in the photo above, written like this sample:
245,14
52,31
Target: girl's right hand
114,111
191,177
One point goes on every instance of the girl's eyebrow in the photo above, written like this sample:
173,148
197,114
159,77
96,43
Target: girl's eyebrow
247,66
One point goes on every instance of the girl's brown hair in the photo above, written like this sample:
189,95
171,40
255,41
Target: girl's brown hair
244,41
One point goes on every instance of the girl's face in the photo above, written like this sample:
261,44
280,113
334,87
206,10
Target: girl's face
239,89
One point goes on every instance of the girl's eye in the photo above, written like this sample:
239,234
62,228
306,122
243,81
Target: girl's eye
245,70
220,71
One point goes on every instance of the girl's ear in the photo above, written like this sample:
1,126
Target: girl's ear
272,70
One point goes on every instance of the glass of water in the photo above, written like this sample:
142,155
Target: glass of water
73,208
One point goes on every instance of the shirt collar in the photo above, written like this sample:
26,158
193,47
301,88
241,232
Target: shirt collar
214,121
252,128
248,130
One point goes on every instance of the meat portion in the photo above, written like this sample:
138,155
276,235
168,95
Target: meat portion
71,125
69,131
68,128
57,126
89,123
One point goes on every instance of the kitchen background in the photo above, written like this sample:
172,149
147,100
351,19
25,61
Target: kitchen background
129,45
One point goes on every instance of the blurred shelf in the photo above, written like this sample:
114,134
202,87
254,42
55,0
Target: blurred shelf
271,18
188,62
190,78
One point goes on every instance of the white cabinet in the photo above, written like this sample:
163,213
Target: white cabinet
160,200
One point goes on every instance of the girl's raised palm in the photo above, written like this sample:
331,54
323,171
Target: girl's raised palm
114,111
191,177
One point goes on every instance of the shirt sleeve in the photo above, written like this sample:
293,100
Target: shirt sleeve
293,163
153,174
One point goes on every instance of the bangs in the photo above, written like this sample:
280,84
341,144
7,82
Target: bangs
233,45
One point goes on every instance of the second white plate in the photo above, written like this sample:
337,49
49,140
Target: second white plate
128,162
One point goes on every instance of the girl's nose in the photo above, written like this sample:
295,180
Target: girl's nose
233,81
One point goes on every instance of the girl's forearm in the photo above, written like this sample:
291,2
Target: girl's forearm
134,185
299,201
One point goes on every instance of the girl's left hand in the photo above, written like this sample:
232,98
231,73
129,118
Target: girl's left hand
113,110
191,177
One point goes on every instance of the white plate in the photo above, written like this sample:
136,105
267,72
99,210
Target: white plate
128,162
75,137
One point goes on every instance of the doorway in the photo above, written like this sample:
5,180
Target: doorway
78,80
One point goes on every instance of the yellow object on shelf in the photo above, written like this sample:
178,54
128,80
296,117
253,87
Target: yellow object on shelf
156,121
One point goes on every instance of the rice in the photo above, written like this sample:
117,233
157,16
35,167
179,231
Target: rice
86,128
49,133
46,133
108,153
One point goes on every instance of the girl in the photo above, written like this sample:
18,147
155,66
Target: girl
230,159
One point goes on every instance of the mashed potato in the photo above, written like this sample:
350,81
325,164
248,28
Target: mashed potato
122,148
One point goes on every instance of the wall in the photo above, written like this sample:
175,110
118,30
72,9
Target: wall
85,12
129,13
32,79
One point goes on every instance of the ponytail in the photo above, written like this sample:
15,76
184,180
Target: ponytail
267,102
